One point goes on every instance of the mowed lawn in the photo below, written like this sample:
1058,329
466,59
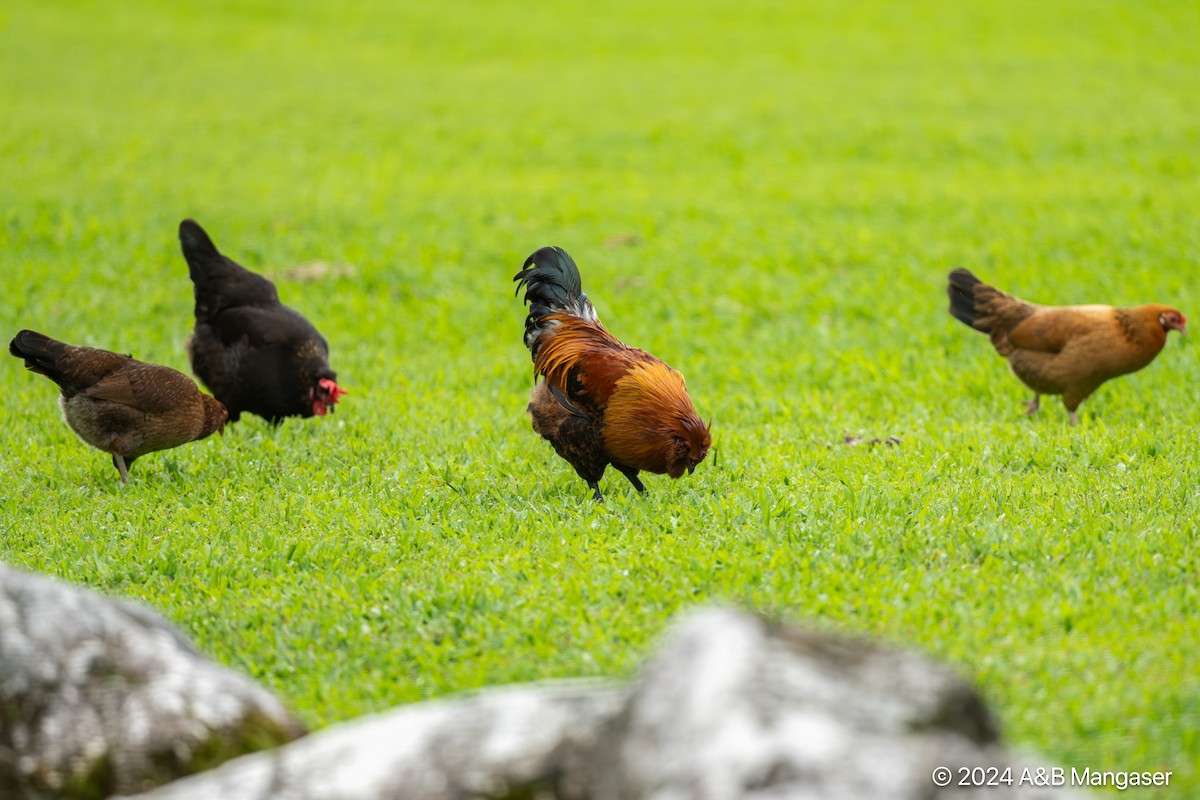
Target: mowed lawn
767,195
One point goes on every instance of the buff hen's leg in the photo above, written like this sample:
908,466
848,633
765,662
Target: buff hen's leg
1074,395
1031,406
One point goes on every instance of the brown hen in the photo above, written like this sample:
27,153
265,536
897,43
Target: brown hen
118,404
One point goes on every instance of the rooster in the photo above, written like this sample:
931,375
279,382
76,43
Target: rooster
1067,350
254,353
120,405
600,401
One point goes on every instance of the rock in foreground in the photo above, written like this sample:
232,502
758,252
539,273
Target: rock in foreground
732,706
522,742
100,696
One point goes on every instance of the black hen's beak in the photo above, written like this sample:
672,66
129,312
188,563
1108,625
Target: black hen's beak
691,468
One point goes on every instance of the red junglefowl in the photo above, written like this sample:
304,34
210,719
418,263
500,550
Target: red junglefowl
601,402
252,352
118,404
1067,350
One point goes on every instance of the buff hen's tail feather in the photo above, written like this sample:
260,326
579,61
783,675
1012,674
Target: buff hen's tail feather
987,309
962,299
552,286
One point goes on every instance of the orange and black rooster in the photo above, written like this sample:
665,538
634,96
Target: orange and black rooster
1067,350
120,405
253,352
601,402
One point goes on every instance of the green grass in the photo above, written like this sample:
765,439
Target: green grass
799,178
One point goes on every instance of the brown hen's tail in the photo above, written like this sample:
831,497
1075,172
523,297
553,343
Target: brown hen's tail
73,368
41,353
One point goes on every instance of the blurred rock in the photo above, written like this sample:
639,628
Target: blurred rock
732,707
99,696
524,742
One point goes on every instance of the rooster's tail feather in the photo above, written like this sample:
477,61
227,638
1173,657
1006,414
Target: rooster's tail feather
552,286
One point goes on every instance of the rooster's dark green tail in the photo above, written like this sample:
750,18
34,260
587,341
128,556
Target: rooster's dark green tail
552,286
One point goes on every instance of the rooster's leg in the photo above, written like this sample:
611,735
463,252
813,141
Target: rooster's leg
1074,419
632,474
595,486
119,463
1031,406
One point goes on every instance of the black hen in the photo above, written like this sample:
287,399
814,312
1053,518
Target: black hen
252,352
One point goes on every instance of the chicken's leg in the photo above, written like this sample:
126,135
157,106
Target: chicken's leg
595,486
119,463
632,474
1031,406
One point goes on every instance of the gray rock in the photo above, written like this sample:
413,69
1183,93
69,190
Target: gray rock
99,696
732,706
524,742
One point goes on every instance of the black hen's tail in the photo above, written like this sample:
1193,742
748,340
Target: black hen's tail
552,286
201,254
962,299
219,281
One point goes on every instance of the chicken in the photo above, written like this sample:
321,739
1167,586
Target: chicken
254,353
601,402
1067,350
118,404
